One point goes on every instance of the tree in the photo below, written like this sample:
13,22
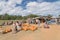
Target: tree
15,17
6,16
18,17
59,16
32,16
49,17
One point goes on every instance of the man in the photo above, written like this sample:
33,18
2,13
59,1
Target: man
29,20
38,22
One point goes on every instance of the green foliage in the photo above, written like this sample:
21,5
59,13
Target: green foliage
32,16
15,17
49,17
59,16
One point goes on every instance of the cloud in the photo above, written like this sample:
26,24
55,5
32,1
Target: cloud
6,7
34,7
44,8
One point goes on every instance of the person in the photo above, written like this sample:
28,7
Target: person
29,20
17,25
33,21
7,23
10,23
14,28
2,24
46,25
38,22
20,23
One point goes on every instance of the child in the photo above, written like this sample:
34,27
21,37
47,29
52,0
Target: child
18,27
14,28
46,25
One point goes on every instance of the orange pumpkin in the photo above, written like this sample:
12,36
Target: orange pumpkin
0,28
33,27
25,26
7,29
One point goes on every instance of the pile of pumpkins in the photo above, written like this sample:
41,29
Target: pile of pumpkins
0,29
25,27
6,30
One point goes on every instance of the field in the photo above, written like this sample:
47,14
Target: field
53,33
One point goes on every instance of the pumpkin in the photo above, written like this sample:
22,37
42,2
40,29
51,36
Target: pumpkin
25,26
0,28
7,29
33,27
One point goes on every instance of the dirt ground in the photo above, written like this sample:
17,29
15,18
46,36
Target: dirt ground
53,33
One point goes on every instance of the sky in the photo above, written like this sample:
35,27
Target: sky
26,7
